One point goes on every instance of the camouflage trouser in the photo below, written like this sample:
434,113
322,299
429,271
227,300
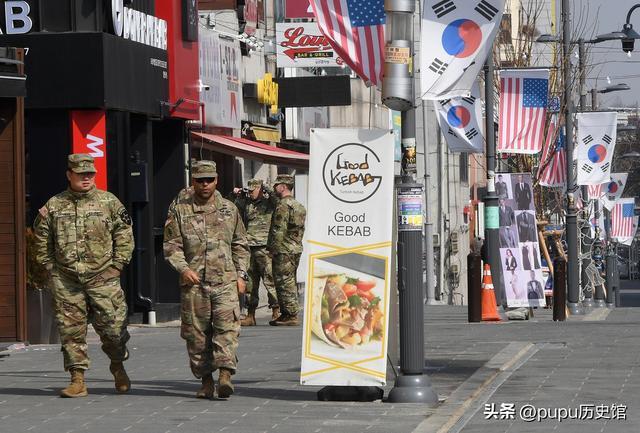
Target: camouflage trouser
284,275
100,302
210,325
260,267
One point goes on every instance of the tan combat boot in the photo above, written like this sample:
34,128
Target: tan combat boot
275,312
285,320
206,391
250,319
123,384
225,387
77,387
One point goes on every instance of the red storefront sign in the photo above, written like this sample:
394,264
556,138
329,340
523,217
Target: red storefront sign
182,55
89,135
298,9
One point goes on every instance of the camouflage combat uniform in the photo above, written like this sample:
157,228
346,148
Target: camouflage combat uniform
256,215
209,239
285,245
80,238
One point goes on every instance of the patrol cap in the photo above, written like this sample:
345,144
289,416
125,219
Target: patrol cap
287,179
81,163
254,183
201,169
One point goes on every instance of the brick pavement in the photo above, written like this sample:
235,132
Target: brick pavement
582,361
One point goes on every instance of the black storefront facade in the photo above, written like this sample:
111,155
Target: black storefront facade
76,63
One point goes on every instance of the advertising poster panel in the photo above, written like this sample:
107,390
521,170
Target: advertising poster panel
519,249
220,75
349,232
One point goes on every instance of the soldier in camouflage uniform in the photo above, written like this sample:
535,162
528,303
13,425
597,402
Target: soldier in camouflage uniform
256,208
83,238
205,241
285,245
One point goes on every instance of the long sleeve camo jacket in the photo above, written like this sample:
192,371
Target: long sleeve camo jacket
256,215
287,227
209,239
82,234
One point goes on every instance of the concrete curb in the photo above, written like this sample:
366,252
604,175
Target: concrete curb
466,400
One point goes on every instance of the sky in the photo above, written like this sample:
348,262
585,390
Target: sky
594,17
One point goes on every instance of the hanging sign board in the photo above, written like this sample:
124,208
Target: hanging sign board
350,228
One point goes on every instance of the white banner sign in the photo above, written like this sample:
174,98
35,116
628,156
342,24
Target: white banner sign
220,75
302,45
349,227
460,119
595,146
456,38
613,190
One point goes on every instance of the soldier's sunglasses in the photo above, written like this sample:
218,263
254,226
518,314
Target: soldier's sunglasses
205,180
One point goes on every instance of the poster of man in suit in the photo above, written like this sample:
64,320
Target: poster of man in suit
522,192
526,222
502,189
518,236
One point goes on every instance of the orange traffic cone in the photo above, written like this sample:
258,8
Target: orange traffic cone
489,310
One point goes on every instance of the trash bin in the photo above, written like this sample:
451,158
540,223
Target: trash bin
41,327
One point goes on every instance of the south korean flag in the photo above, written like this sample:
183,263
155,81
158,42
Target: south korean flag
456,38
595,146
459,120
613,190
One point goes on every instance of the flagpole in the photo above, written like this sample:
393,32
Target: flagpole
492,221
412,385
586,243
573,265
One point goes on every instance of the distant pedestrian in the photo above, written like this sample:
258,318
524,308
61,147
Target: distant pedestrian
285,246
256,207
205,241
83,237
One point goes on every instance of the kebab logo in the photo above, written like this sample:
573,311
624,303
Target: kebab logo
352,173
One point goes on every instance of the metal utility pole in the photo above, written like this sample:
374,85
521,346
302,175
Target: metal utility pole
491,209
430,294
573,267
586,243
412,386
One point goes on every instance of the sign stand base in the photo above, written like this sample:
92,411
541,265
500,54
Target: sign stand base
350,393
413,388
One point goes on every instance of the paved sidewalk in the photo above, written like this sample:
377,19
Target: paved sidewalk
539,362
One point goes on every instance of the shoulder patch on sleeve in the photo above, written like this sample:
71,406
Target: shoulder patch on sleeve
43,211
124,216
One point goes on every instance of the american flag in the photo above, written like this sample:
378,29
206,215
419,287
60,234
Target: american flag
553,165
595,191
355,29
523,109
622,219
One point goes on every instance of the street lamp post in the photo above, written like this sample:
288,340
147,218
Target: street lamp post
573,266
586,240
413,385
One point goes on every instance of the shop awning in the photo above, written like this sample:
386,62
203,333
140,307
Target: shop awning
249,149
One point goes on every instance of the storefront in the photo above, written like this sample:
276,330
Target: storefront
118,82
12,242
